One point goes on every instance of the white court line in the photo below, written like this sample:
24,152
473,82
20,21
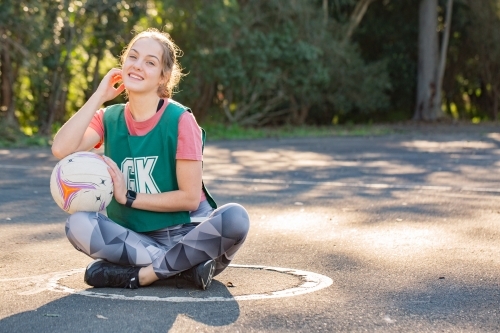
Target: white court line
311,282
438,188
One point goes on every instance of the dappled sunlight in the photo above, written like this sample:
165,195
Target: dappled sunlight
393,239
494,136
393,228
448,146
228,170
400,240
463,176
213,155
407,164
263,162
219,161
442,177
388,167
300,221
266,155
411,228
277,159
224,161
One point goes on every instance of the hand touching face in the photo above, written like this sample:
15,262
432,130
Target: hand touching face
107,89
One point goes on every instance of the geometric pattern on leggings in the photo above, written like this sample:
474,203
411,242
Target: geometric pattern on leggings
99,237
201,244
219,237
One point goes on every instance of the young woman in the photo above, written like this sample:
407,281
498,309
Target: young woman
153,147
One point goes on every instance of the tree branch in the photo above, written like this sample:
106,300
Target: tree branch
356,17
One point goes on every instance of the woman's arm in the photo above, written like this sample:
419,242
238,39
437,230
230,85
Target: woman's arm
75,134
186,198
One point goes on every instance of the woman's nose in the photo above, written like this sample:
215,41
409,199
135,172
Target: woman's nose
137,64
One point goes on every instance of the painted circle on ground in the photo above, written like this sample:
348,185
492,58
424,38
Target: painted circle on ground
311,282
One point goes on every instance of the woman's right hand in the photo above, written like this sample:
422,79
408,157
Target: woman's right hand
75,134
106,89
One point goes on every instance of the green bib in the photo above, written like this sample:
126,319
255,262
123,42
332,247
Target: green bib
148,164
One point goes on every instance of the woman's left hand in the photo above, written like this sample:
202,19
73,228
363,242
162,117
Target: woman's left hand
119,187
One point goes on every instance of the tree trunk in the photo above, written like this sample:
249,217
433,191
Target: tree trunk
204,101
427,61
325,13
7,104
304,112
59,83
298,112
96,76
495,103
442,56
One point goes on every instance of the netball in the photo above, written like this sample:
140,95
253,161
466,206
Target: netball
81,182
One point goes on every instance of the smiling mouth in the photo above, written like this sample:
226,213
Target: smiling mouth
136,77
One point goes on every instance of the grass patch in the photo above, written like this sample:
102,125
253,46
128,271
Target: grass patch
24,142
14,138
236,132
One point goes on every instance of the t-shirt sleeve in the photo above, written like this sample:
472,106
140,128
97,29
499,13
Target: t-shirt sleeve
189,139
97,124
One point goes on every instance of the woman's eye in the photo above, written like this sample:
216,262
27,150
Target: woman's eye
151,63
132,56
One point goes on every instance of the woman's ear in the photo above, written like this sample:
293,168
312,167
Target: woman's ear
163,79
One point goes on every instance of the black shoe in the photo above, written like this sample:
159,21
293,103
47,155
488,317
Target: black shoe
101,273
201,275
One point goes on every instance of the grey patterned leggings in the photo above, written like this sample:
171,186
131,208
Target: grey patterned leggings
170,250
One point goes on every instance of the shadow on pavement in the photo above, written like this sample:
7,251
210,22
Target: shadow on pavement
77,313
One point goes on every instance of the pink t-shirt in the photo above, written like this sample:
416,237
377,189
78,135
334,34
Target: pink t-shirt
188,138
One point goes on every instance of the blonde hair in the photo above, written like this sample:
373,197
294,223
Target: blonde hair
171,69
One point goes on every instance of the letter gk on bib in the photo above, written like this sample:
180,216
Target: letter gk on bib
138,174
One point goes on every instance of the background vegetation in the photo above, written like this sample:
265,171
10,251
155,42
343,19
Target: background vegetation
250,63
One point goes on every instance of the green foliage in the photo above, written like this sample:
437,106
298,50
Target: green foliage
278,64
389,33
66,42
249,63
481,83
13,137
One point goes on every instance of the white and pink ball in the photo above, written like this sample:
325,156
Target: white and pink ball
80,182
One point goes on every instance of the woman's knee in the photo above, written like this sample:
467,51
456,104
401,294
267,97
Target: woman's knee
235,220
79,228
80,221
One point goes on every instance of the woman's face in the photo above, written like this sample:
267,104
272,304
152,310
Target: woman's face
142,68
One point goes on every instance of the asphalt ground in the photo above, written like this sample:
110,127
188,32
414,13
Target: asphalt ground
401,231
